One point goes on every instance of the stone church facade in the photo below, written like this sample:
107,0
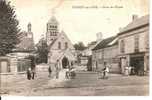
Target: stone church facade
59,45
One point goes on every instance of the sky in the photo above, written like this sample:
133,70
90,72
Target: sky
79,19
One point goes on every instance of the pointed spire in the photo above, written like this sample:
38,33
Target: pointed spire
29,26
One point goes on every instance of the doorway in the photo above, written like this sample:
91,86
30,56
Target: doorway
65,62
4,68
138,64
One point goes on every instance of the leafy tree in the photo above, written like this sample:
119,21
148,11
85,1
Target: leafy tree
79,46
8,28
42,51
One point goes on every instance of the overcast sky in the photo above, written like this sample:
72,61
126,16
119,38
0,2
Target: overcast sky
80,24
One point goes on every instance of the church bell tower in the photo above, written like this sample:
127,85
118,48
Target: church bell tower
29,32
52,29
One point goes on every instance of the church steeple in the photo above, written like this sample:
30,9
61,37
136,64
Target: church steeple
29,32
52,28
29,26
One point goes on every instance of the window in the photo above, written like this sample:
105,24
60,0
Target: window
22,65
51,34
59,45
122,46
136,43
66,45
4,66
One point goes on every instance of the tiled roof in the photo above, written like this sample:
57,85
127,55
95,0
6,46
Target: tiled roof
105,43
144,20
26,44
50,45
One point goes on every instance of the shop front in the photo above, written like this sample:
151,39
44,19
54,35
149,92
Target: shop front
137,64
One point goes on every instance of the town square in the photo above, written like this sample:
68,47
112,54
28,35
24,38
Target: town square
60,48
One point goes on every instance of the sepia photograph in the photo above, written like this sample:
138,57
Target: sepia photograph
74,48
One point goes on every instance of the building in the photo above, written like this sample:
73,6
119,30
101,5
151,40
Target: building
15,62
91,45
87,53
88,50
26,46
106,51
59,45
133,44
13,65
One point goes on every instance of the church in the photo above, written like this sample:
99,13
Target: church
59,45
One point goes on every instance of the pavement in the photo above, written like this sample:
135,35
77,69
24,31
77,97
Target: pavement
85,84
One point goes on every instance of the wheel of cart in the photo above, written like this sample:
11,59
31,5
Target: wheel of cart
72,74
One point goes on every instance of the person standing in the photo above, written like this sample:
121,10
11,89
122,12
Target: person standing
50,71
29,73
33,67
67,73
105,71
33,73
57,66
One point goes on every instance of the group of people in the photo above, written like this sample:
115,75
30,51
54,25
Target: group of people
57,70
31,69
30,73
69,72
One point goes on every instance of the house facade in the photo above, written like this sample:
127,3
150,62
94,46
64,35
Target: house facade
106,51
15,62
59,45
133,44
26,46
13,65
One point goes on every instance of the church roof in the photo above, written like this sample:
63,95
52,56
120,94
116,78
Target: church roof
26,44
106,43
139,22
51,44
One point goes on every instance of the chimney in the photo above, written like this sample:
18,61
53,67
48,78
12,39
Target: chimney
99,36
29,26
134,17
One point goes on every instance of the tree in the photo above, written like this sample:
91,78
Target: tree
8,28
42,51
79,46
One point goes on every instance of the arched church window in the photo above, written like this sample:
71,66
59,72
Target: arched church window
59,45
55,33
66,45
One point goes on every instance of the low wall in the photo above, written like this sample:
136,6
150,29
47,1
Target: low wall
13,65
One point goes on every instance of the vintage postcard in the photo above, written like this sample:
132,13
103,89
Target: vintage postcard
74,47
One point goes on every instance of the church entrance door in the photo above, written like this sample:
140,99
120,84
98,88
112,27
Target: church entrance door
65,62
